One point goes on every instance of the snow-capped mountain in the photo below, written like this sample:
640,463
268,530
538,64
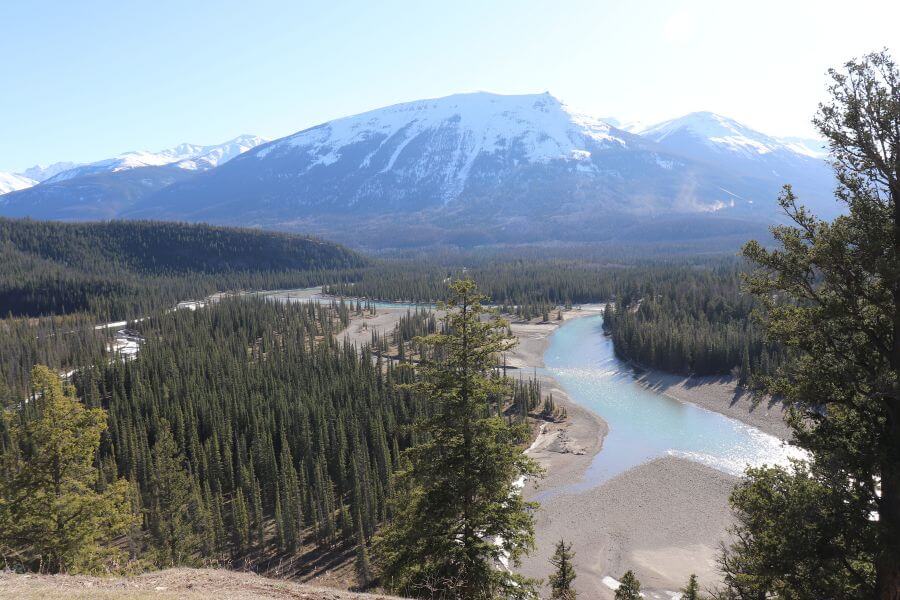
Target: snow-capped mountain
518,166
742,151
103,189
11,182
718,133
41,173
442,142
208,157
629,126
184,156
469,169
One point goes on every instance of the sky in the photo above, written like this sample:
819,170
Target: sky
82,81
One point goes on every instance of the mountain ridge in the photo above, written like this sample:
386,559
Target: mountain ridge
465,168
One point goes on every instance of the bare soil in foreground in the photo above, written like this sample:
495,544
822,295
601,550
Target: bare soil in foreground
170,584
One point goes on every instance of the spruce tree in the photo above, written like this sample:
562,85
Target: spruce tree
692,590
362,565
458,511
170,518
629,587
561,580
52,517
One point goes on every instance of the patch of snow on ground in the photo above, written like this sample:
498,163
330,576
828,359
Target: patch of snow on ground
610,582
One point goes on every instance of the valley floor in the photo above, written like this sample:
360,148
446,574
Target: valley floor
720,394
663,519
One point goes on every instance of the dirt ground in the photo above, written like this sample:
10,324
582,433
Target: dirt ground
170,584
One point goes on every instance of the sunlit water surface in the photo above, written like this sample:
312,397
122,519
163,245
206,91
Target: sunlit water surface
644,424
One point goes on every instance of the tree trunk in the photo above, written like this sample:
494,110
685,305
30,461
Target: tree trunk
887,563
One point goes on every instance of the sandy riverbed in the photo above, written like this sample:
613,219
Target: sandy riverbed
663,519
722,395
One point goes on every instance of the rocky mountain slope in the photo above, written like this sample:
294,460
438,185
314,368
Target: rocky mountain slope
11,182
105,188
465,169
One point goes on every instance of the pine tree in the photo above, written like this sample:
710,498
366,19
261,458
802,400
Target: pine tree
169,511
240,522
363,566
831,527
561,580
458,511
51,515
692,590
629,587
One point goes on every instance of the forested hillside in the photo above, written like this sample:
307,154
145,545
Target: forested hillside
246,431
689,321
121,269
688,315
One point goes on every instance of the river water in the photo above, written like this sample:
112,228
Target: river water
644,424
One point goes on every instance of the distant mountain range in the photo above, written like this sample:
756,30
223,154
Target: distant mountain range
103,189
465,169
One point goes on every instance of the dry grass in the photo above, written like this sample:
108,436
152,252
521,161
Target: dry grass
170,584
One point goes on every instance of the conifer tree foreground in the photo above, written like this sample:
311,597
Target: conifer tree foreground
629,588
691,591
830,526
53,517
458,508
561,580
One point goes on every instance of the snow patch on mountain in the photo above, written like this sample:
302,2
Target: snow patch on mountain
11,182
810,147
208,157
184,156
722,134
629,126
537,128
42,173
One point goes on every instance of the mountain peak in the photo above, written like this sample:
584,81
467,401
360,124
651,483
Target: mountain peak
11,182
534,128
184,156
720,133
702,123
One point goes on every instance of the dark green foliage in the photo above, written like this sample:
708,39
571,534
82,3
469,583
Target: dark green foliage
363,565
799,535
248,411
687,316
831,528
122,269
691,591
629,587
690,321
172,515
60,343
58,513
458,510
563,576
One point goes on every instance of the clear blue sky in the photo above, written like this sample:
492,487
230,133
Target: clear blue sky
86,80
